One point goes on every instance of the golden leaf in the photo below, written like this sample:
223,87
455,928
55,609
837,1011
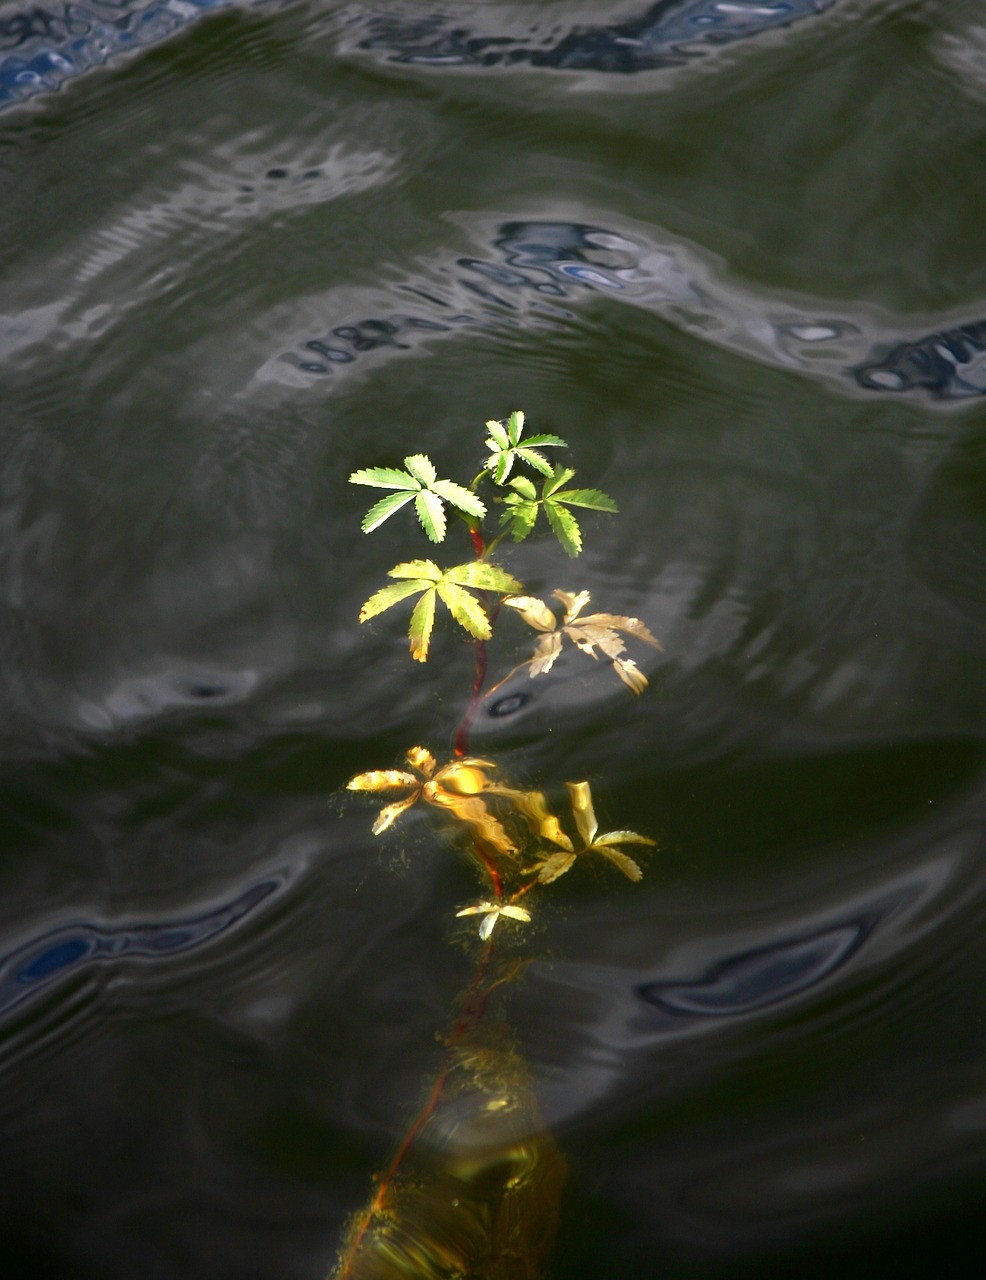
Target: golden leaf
534,612
381,780
421,759
582,810
389,813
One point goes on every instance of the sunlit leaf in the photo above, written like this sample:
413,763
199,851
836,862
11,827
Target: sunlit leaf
622,837
420,758
533,806
524,487
565,528
500,438
555,865
505,447
537,460
431,514
491,913
389,813
594,631
379,512
560,476
630,674
422,469
420,482
633,626
546,651
471,810
465,609
582,810
422,622
574,603
457,495
482,574
384,478
381,780
386,597
424,569
625,863
594,499
534,612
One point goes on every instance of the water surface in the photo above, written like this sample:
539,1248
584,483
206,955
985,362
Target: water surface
734,254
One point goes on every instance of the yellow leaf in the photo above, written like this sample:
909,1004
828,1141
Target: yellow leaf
582,810
421,759
555,865
381,780
534,612
389,813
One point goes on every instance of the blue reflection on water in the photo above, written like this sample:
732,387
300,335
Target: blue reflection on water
42,47
34,965
950,364
760,977
557,259
668,34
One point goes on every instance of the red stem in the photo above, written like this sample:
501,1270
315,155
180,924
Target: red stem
473,1008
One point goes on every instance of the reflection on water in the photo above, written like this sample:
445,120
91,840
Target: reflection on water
668,34
540,265
764,976
56,954
44,46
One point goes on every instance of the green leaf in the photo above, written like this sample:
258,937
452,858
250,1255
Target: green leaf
459,496
565,527
524,487
422,468
423,569
515,425
465,609
422,621
502,463
387,596
384,478
431,513
560,476
546,439
623,837
379,512
500,438
520,516
594,499
537,460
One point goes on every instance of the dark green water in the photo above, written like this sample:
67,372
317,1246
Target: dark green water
273,248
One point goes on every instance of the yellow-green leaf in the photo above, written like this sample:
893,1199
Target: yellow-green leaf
422,621
465,609
388,596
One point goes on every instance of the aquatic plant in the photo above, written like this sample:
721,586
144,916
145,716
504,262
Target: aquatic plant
473,1188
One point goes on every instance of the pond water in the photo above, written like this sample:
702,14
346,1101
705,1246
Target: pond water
734,254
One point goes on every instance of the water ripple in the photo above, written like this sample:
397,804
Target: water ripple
541,270
32,967
42,47
670,33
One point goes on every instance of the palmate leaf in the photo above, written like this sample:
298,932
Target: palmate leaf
523,504
420,484
505,447
602,631
425,578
